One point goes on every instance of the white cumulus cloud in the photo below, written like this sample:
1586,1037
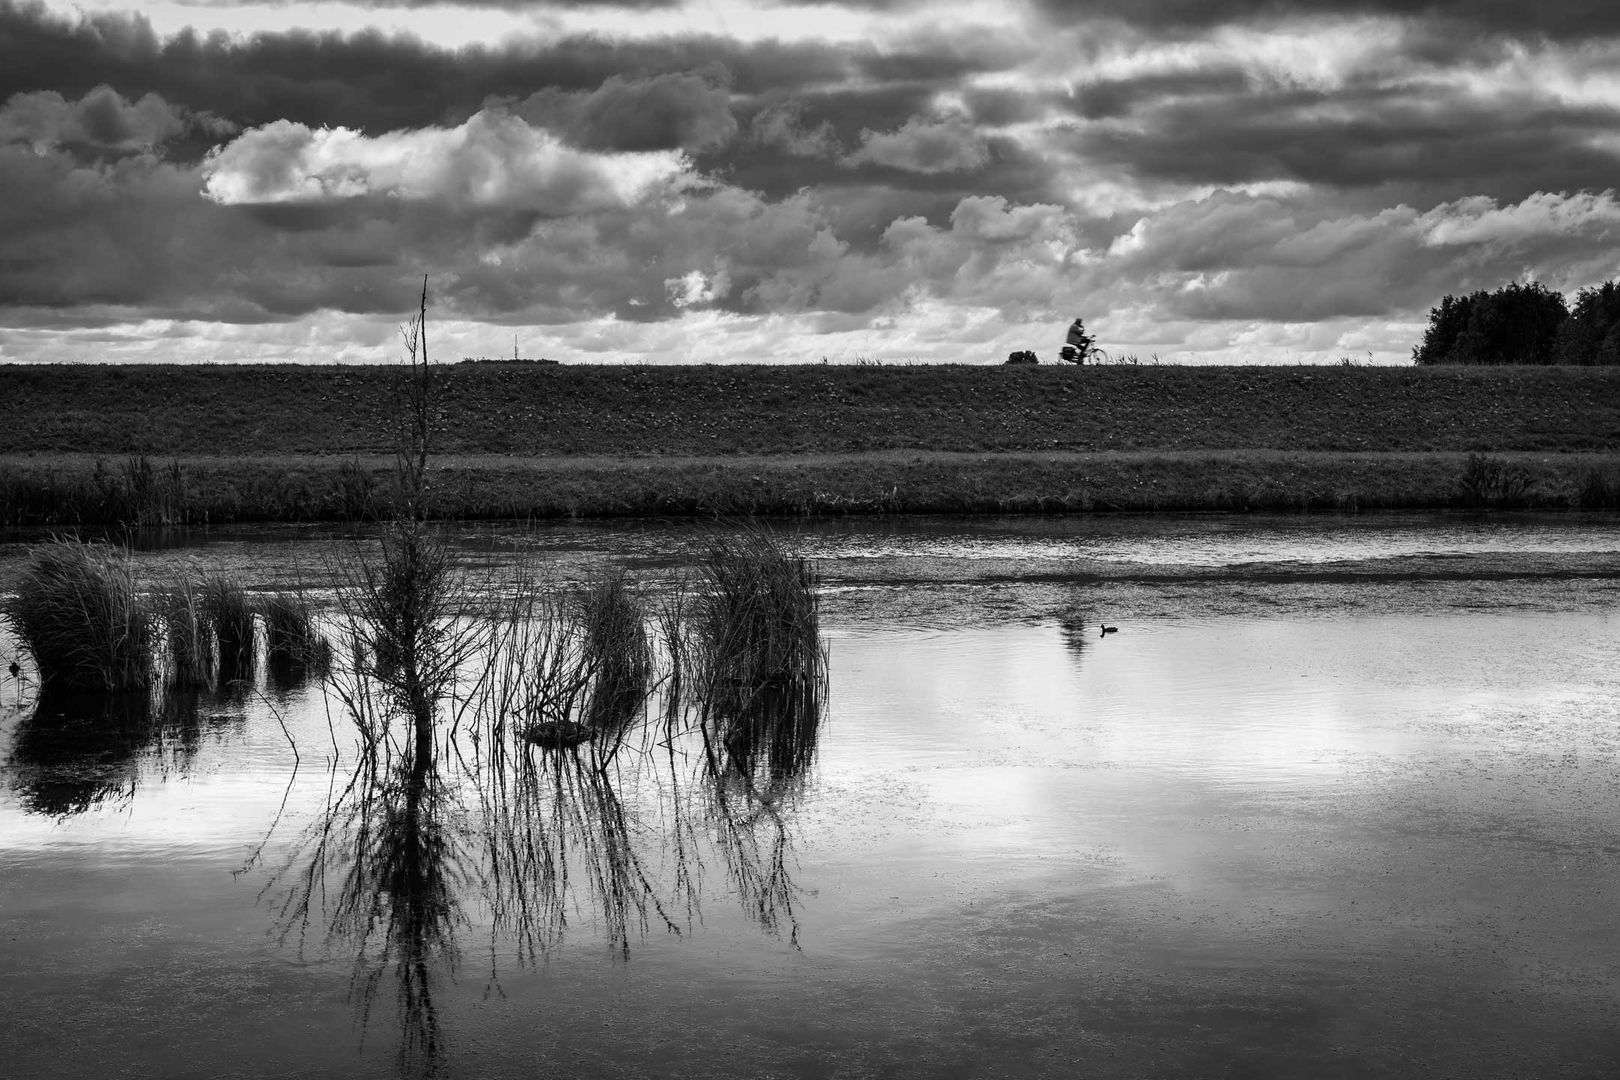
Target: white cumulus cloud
494,159
1543,215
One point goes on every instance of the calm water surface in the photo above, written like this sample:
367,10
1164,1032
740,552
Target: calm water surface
1341,797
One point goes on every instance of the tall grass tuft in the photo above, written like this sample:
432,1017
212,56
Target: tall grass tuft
355,491
1599,490
187,633
230,616
615,651
1488,481
77,611
291,638
756,645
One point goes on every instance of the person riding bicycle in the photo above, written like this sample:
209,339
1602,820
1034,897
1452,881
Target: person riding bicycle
1079,344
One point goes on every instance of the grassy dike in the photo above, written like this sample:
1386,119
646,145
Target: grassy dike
92,443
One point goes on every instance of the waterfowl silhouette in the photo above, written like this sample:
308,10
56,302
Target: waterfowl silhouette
1106,630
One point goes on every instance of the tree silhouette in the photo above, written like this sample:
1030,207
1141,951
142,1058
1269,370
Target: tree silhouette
1516,324
1591,334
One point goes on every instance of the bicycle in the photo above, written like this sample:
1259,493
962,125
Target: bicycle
1075,354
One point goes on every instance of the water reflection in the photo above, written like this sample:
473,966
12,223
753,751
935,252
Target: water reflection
1078,629
72,752
411,851
386,870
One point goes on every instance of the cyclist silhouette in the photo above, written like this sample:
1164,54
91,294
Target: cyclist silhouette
1081,346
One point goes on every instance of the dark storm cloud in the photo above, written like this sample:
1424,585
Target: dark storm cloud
1428,136
945,145
102,121
133,233
1571,19
520,5
873,144
366,80
1111,98
376,81
684,111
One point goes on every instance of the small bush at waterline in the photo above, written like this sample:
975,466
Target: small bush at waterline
1488,481
79,615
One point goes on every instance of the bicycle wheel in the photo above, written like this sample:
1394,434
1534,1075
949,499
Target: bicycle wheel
1099,356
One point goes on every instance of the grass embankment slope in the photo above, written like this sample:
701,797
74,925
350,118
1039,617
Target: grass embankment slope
280,442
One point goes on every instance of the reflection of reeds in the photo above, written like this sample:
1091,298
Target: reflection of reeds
77,611
77,750
756,644
556,816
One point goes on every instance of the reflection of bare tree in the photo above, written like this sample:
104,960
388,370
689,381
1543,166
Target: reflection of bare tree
387,869
747,824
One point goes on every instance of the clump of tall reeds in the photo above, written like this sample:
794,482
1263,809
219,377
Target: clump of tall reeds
140,493
188,633
77,611
756,645
355,491
230,616
291,638
614,650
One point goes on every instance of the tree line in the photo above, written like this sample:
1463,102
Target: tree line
1524,323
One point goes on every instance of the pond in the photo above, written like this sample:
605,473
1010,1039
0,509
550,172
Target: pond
1338,797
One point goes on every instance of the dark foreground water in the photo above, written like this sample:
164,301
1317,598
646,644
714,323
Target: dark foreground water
1341,797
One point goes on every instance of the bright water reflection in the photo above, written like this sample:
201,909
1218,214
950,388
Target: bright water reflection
1280,824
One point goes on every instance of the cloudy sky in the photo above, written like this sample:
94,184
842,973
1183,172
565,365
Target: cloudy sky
725,180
